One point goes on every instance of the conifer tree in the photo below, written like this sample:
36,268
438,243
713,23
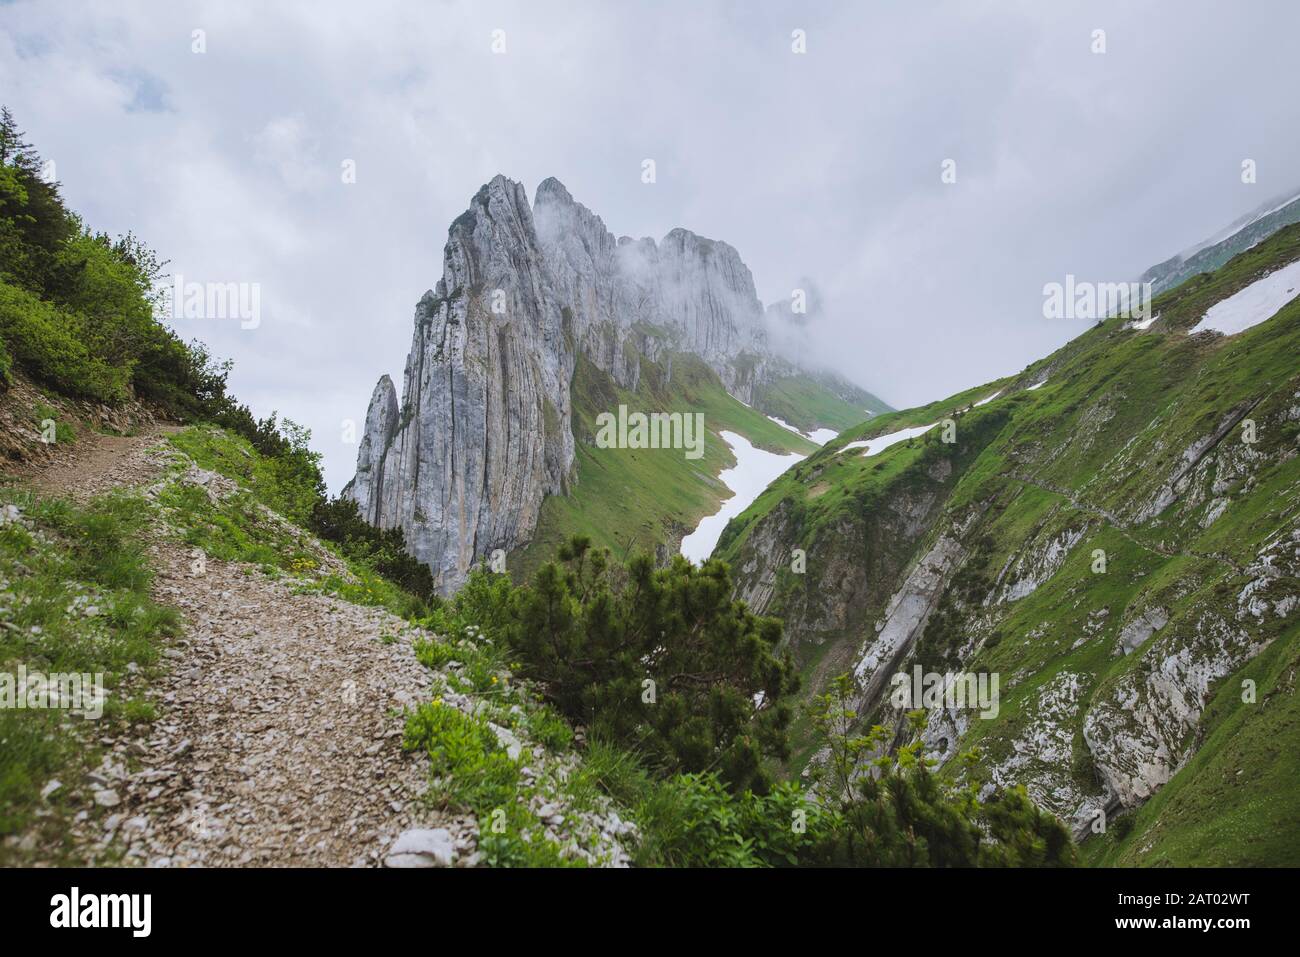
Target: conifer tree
661,659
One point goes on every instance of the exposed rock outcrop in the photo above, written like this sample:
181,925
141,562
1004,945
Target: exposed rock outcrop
482,433
381,424
905,618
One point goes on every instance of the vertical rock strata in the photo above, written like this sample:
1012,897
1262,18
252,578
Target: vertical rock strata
482,433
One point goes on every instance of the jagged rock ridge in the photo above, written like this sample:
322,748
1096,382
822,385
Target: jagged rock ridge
482,432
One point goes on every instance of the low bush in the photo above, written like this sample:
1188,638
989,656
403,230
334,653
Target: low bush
659,659
49,344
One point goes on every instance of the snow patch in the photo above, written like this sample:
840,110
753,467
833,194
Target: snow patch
1248,307
786,425
754,471
820,436
881,442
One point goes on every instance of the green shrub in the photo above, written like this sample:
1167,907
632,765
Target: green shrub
34,224
900,815
468,764
337,520
549,729
692,820
49,343
662,660
470,769
434,654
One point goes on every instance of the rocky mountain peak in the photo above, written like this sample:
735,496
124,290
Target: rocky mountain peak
551,190
482,433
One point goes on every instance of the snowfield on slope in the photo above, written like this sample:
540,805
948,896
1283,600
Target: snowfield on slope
1248,307
820,436
881,442
754,471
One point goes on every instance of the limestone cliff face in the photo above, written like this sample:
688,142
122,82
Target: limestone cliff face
482,432
631,297
381,424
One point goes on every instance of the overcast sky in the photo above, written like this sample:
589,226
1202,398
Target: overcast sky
825,164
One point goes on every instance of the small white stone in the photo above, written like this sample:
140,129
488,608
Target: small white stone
422,847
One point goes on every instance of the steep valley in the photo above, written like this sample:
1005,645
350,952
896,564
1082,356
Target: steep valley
1117,535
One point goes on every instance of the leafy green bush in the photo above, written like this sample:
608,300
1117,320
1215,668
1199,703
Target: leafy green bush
84,322
549,729
468,764
692,820
34,224
434,655
483,604
50,344
76,308
469,768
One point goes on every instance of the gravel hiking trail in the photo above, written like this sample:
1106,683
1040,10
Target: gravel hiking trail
277,740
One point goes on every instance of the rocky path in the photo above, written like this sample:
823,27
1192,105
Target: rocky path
97,463
279,728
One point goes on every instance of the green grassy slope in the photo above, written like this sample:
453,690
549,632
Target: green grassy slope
75,601
808,404
832,486
635,499
1035,484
